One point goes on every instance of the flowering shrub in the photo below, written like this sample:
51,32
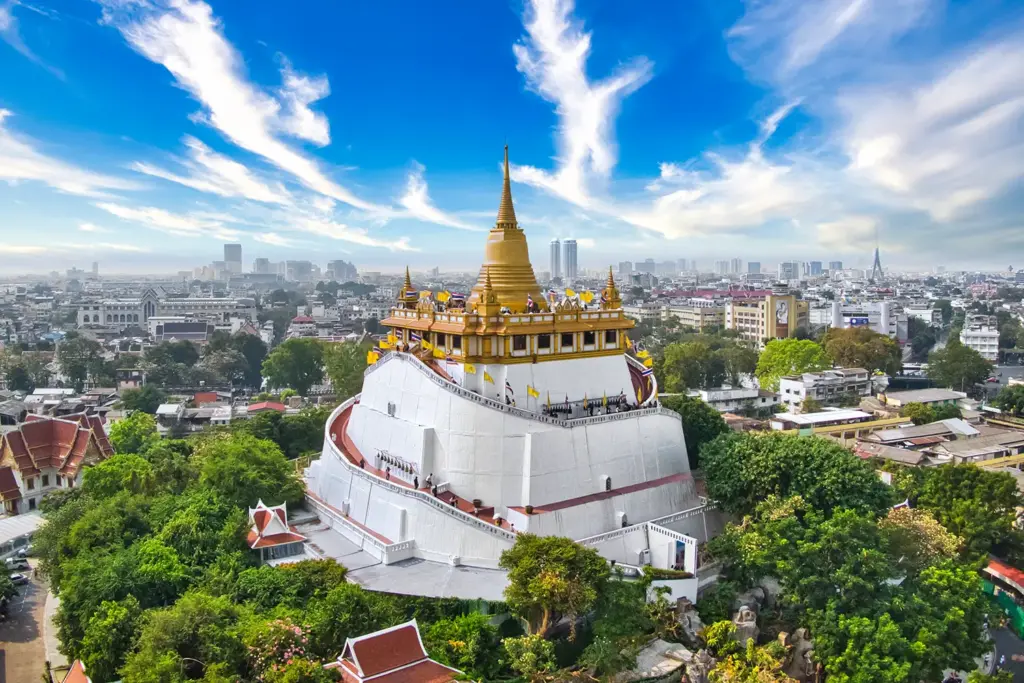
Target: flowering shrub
277,645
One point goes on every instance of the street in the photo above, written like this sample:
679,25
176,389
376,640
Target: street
1008,644
22,652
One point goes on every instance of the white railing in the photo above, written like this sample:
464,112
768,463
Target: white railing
367,537
518,412
422,496
610,535
684,514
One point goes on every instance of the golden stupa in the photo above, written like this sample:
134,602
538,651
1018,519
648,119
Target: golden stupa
507,260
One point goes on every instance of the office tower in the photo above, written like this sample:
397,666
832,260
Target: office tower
789,270
666,268
341,271
815,268
625,269
682,265
556,259
833,266
569,259
736,266
95,268
753,267
261,266
646,266
233,258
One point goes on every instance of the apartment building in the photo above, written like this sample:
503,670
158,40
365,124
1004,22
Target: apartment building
983,339
829,387
773,316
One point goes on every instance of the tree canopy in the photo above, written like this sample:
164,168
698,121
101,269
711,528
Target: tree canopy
701,424
146,398
296,363
787,357
957,366
133,434
1011,399
345,364
861,347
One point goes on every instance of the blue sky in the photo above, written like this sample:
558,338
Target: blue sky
145,133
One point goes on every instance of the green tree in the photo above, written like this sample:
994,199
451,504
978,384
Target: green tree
228,366
691,365
957,366
254,351
788,357
701,424
345,364
19,379
738,361
743,469
122,472
861,347
1011,399
468,643
109,637
918,413
810,405
1002,676
243,470
134,434
551,577
372,325
977,505
74,356
297,363
146,398
946,308
530,656
917,538
346,612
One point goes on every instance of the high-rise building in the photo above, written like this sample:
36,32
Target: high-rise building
233,258
625,269
261,266
646,266
753,267
833,266
736,266
341,271
815,268
666,268
789,270
95,268
683,266
569,259
556,259
722,267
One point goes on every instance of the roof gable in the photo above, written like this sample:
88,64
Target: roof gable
386,650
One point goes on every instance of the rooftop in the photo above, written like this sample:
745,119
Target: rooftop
810,419
951,426
924,395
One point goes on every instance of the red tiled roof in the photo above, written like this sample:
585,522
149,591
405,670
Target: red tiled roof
261,518
427,671
201,397
76,674
267,405
387,650
1002,569
8,485
56,443
256,541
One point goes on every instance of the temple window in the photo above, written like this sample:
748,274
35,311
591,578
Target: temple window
611,337
46,480
456,342
567,339
440,339
519,342
589,338
543,341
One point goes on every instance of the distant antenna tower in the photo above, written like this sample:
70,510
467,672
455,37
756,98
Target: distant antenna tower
876,267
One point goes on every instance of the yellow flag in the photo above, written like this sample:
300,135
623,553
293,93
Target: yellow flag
426,345
488,378
629,342
444,296
549,400
470,369
604,400
569,293
426,294
639,395
530,391
392,339
648,362
384,345
587,297
372,357
584,401
643,354
439,353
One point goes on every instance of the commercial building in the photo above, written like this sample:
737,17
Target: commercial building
931,397
829,387
736,266
739,399
569,261
625,270
815,268
261,266
834,266
884,317
556,259
722,267
827,418
341,271
925,312
753,267
233,258
699,314
789,270
773,316
983,339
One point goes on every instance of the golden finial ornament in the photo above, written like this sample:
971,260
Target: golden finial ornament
506,211
408,297
610,298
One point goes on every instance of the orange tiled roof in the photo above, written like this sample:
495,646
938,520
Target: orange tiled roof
59,443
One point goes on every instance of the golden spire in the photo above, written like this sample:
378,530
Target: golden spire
408,279
408,296
487,282
506,211
610,299
611,279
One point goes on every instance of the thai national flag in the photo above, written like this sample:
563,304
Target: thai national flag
647,372
415,337
376,349
457,297
508,388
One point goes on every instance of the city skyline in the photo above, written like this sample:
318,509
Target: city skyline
779,134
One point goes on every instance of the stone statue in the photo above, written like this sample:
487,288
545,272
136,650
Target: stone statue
745,621
699,667
690,620
800,662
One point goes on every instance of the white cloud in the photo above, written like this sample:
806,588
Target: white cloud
217,174
89,227
273,238
347,233
850,233
297,93
948,143
20,160
10,34
179,225
553,57
416,201
23,249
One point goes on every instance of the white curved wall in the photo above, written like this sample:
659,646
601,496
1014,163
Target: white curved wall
504,459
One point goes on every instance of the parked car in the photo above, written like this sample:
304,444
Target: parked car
24,552
19,579
13,563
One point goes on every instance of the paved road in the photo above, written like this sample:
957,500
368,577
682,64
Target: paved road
1008,644
22,652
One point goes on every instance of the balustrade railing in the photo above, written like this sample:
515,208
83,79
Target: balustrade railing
462,392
